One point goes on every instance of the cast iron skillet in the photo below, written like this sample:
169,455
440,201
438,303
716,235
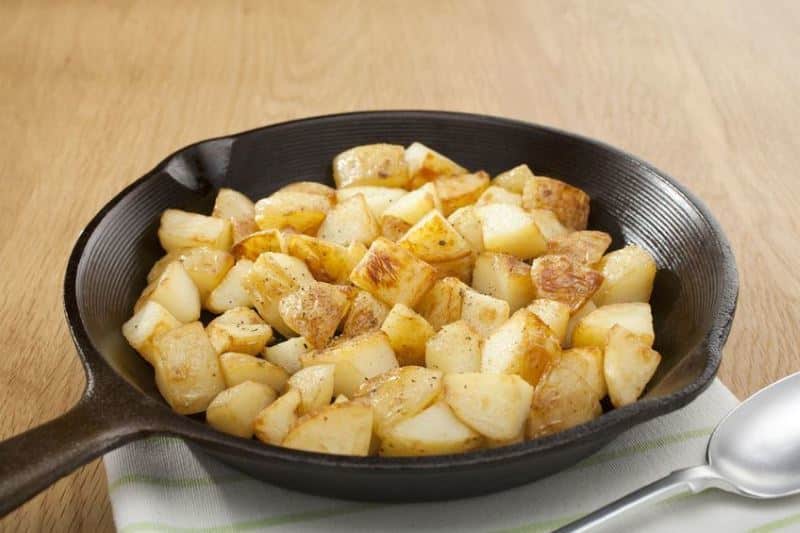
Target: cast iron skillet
693,302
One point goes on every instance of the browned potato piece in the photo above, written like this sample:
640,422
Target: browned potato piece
373,164
560,401
442,303
273,423
311,187
460,268
366,313
425,164
466,221
498,195
575,319
629,275
548,224
455,349
554,314
287,354
378,198
433,239
175,290
459,191
205,265
505,277
258,242
557,277
570,204
585,247
483,313
393,274
238,209
408,210
340,429
187,371
408,332
628,366
587,362
510,230
314,311
181,229
514,180
315,385
327,261
434,431
234,410
296,211
230,292
239,330
240,367
593,329
350,220
524,345
150,321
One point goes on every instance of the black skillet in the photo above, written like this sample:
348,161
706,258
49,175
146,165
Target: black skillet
693,303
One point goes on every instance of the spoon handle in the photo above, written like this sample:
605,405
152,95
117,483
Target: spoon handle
695,479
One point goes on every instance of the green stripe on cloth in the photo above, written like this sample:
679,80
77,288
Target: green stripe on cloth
545,525
135,479
777,524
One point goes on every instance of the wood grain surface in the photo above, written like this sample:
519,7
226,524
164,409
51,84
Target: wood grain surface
93,94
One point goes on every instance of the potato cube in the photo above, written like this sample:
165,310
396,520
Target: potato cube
593,329
524,345
272,277
374,164
273,423
356,360
408,210
393,274
425,164
206,266
585,247
483,313
575,319
554,314
174,290
149,322
548,224
494,405
366,313
557,277
498,195
442,303
505,277
460,268
461,190
230,292
340,429
465,220
311,187
455,349
239,330
240,367
561,400
378,198
181,229
296,211
287,354
187,371
314,311
238,209
408,332
629,274
433,239
587,362
350,220
570,204
514,180
315,385
628,365
434,431
510,230
234,410
258,242
327,261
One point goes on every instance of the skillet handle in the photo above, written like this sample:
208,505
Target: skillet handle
34,460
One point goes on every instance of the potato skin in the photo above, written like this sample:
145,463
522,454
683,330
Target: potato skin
557,277
570,204
374,164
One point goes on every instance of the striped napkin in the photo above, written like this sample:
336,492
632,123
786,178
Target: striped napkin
163,484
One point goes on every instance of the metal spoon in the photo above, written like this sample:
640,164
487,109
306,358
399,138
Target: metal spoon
753,452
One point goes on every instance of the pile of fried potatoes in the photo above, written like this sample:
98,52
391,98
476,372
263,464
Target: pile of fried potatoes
416,309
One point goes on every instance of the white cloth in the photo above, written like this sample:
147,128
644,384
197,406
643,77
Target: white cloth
161,484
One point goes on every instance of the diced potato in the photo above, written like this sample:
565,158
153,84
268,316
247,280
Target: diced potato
587,362
593,329
466,221
483,313
508,229
399,394
206,266
315,385
629,274
442,303
366,313
378,198
434,431
149,322
181,229
273,423
408,210
499,195
187,371
230,292
234,410
272,277
314,311
505,277
554,314
425,164
557,277
239,330
576,317
238,209
524,345
455,349
585,247
461,190
174,290
356,359
628,365
258,242
460,268
340,429
433,239
408,332
327,261
393,274
287,354
240,367
549,224
570,204
341,399
373,164
356,252
514,180
350,220
562,400
311,187
297,211
494,405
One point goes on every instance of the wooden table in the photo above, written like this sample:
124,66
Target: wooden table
93,94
